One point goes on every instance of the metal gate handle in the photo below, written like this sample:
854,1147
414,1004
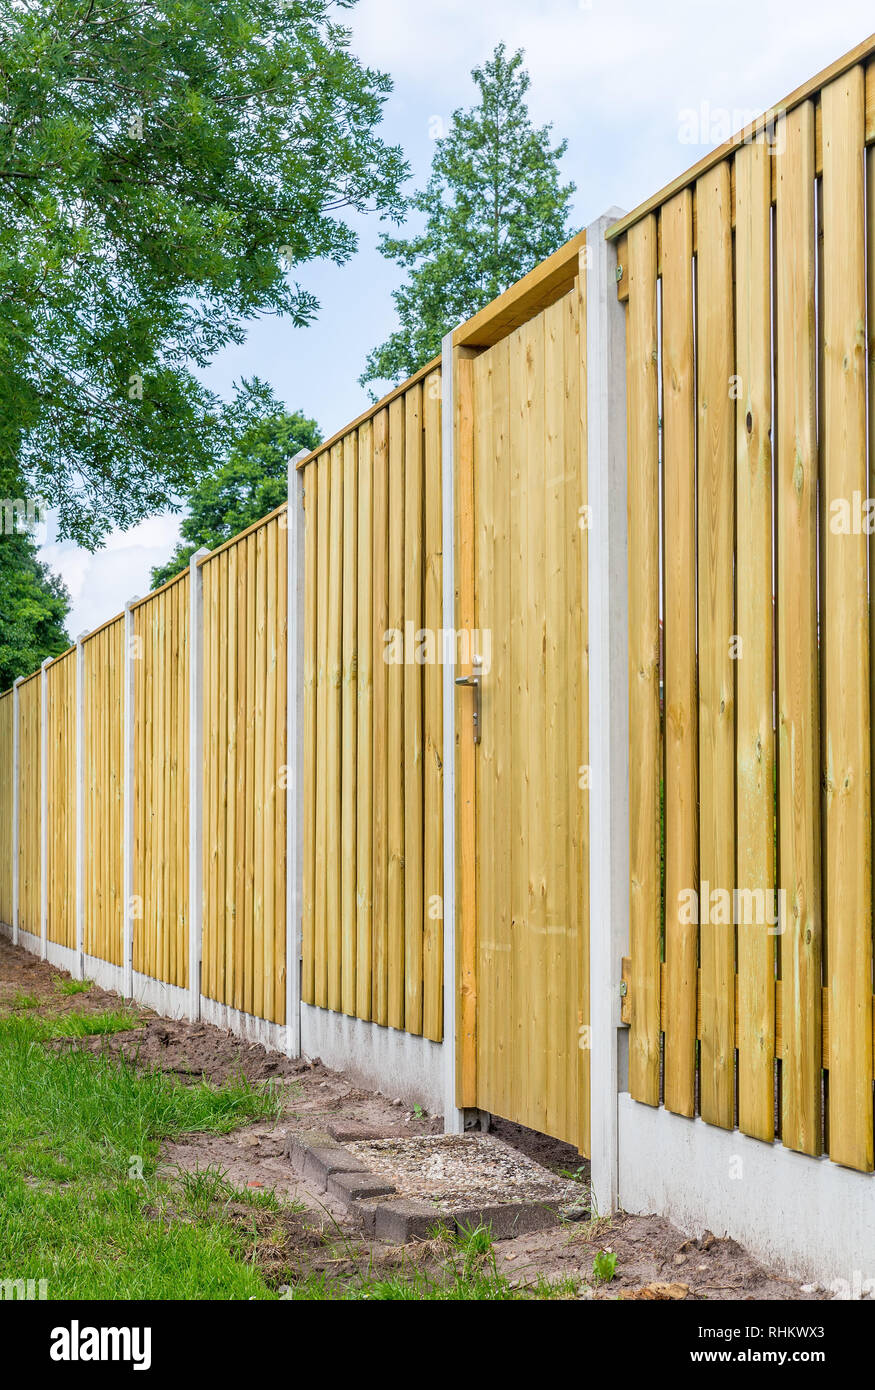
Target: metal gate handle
474,680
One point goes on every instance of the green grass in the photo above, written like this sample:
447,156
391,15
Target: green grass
20,1000
72,986
80,1203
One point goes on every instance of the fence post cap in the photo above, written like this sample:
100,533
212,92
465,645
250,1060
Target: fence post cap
19,680
129,603
200,554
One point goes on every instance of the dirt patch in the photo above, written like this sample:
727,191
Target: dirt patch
23,975
649,1250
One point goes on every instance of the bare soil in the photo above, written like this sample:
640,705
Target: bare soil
654,1259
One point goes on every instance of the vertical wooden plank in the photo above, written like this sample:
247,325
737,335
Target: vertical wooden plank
380,926
239,773
311,638
349,715
396,716
261,669
232,856
270,867
162,734
490,1058
755,748
169,784
178,829
681,723
645,733
433,950
148,783
252,680
413,690
559,943
466,881
798,725
281,756
517,1081
577,498
364,730
210,572
334,733
320,954
716,576
533,500
846,646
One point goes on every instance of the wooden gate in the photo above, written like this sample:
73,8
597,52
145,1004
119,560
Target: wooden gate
522,790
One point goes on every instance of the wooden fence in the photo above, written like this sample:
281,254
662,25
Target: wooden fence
747,305
373,820
749,294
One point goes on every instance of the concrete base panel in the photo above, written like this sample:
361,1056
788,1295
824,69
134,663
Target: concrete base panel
398,1064
806,1216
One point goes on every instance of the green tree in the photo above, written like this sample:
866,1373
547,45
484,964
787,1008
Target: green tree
253,482
164,165
493,207
34,604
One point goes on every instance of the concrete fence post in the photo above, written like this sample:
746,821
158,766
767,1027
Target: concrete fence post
16,774
608,701
44,808
128,791
79,970
195,779
295,521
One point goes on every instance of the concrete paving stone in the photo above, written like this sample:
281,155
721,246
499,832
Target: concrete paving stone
348,1187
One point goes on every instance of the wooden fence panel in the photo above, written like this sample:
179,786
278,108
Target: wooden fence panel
7,738
773,614
61,789
372,939
244,857
161,769
103,792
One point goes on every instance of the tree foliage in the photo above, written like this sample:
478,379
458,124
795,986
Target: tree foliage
252,482
493,207
164,164
34,604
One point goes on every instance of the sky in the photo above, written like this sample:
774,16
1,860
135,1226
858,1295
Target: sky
640,91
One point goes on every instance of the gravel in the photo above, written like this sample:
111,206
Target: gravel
463,1169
